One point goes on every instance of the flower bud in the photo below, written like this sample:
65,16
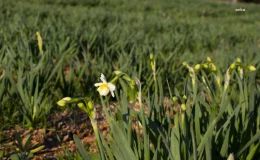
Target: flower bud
185,64
81,105
90,105
61,103
183,107
66,98
206,66
152,65
214,68
151,56
251,68
197,66
232,66
175,99
64,101
39,39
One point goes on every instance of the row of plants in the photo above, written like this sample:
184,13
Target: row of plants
216,116
55,49
102,43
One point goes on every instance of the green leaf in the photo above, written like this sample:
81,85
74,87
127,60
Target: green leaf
21,156
145,135
121,140
107,148
224,148
19,143
166,143
193,139
255,138
206,137
37,149
253,151
81,148
197,122
175,143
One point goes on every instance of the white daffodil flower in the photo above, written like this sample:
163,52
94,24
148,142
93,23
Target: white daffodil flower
104,88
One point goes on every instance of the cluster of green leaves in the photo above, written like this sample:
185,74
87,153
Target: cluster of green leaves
26,149
29,81
81,39
217,117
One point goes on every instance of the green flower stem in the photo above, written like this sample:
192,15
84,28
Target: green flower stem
114,79
96,132
75,100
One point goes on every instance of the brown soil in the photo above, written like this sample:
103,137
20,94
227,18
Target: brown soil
59,133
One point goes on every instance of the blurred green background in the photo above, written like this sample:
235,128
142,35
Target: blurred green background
84,38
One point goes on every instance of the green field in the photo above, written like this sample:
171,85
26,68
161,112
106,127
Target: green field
212,109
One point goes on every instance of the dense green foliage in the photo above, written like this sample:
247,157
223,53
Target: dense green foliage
82,39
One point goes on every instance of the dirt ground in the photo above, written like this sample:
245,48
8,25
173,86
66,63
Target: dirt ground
58,135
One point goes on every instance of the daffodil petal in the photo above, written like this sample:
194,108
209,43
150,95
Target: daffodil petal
103,78
112,93
111,86
98,84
